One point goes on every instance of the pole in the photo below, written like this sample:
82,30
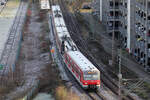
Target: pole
113,36
146,35
120,75
100,9
129,26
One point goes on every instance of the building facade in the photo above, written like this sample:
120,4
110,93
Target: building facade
130,22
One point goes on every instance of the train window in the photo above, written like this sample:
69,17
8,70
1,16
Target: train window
91,76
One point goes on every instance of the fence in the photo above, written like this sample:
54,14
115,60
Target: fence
20,39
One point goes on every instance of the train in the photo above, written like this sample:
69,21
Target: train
87,75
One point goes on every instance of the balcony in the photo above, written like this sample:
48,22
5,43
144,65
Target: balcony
112,18
113,5
123,8
109,28
116,7
123,20
123,31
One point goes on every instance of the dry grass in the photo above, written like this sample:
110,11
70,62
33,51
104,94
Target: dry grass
49,79
6,85
63,94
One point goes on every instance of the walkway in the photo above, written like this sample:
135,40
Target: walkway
6,20
12,20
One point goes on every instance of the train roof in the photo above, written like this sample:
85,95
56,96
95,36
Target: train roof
62,31
59,22
57,13
81,61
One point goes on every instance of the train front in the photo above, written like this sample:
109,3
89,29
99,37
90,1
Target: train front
91,79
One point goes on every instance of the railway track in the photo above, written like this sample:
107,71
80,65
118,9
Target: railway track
74,29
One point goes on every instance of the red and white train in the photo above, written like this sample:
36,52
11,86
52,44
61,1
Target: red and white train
82,69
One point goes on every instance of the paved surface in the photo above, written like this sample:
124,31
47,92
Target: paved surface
12,19
6,19
107,44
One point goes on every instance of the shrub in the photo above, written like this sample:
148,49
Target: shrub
63,94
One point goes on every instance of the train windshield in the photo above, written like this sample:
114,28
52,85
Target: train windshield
91,76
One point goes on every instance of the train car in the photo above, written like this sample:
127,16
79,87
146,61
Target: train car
81,68
60,26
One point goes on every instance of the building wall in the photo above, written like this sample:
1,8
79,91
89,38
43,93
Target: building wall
141,49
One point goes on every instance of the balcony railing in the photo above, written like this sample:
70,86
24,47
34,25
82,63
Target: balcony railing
116,7
113,17
111,28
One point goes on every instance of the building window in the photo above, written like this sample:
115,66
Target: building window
148,17
148,61
111,3
148,45
142,14
138,50
148,4
125,5
148,34
125,26
121,3
142,54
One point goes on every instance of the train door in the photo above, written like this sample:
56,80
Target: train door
62,47
81,76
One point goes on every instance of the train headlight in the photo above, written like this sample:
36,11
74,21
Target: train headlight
86,83
97,82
